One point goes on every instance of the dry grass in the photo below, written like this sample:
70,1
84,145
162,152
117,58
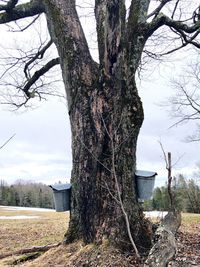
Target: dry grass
190,219
190,223
48,228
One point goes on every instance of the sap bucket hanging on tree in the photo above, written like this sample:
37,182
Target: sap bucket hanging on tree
145,181
62,196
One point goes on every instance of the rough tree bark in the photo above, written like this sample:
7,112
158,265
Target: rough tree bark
103,101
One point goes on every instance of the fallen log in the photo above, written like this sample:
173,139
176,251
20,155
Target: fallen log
164,249
29,250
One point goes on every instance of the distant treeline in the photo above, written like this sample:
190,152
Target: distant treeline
26,194
187,196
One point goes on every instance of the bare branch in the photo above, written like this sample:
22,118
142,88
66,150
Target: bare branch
38,55
164,154
175,8
27,26
158,9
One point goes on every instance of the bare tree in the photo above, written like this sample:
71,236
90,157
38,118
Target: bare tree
185,104
107,88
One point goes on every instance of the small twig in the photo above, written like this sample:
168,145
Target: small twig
7,141
120,201
113,171
168,162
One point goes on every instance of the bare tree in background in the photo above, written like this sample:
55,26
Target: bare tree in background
107,88
185,104
26,72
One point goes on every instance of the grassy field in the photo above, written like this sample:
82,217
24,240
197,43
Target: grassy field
49,228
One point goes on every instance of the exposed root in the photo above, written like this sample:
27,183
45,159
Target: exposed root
164,248
29,250
78,255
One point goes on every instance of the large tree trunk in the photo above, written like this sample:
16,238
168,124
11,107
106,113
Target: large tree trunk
102,117
106,115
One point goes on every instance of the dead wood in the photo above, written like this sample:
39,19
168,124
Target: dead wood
164,248
29,250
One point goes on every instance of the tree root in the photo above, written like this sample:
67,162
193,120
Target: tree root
27,257
29,250
164,248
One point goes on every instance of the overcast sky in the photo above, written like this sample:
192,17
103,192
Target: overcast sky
41,148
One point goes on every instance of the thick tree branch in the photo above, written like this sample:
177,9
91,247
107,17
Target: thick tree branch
110,17
9,6
66,31
135,34
30,9
37,75
138,13
162,20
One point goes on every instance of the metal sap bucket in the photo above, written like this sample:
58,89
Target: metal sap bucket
62,196
145,181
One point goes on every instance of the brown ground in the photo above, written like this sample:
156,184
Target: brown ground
51,227
188,242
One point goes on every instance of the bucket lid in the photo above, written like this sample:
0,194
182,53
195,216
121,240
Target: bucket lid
147,174
60,187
